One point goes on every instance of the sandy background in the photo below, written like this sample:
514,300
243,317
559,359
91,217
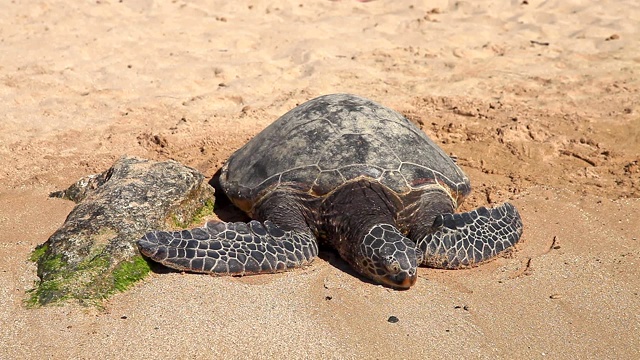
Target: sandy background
540,100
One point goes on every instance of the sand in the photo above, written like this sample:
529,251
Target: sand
539,100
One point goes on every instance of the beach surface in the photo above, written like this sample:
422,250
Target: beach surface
538,100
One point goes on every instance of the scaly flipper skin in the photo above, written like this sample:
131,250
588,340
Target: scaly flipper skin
466,239
231,248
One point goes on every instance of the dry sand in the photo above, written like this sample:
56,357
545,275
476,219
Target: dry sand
540,100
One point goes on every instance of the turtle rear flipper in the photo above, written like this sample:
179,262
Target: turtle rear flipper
230,248
460,240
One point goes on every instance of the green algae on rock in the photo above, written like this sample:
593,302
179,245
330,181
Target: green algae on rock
93,254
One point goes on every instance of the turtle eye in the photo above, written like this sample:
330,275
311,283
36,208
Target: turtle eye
391,264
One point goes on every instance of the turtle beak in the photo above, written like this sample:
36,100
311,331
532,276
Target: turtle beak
409,281
401,281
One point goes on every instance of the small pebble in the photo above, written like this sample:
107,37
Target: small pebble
392,319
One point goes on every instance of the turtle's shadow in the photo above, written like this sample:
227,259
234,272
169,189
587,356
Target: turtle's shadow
158,268
224,208
325,254
331,256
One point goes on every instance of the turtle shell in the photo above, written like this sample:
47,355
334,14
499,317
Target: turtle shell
332,139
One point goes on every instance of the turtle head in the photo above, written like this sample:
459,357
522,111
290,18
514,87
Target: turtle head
388,257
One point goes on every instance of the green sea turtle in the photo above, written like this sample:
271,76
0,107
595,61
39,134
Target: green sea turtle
346,172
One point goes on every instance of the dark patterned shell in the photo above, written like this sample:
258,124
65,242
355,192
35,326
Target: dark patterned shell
332,139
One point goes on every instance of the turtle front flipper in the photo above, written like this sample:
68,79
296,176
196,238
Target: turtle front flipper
460,240
231,248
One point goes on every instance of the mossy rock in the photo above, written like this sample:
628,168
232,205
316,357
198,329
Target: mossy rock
93,254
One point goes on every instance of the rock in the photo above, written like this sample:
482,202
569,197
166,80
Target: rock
94,254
